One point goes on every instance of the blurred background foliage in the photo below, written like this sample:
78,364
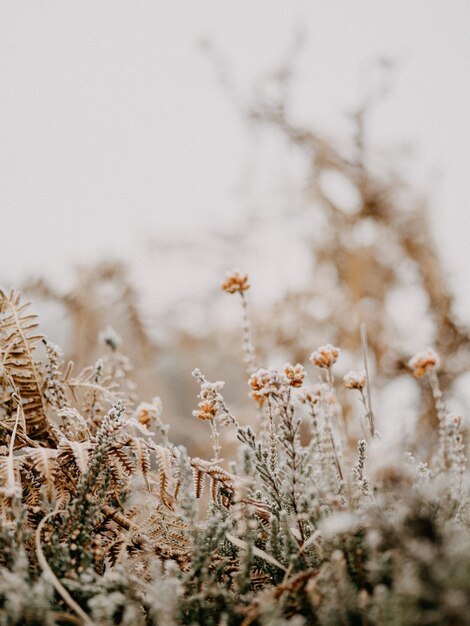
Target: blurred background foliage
351,222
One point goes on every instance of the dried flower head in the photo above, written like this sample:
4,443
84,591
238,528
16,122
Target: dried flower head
355,380
207,410
148,413
210,397
308,397
258,398
236,283
325,356
423,362
264,382
314,394
294,374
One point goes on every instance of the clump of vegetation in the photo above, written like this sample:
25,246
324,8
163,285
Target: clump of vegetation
105,521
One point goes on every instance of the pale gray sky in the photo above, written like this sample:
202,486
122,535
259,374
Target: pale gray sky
113,127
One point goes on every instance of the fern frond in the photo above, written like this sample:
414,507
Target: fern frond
198,477
18,339
44,462
116,550
164,465
214,489
215,472
88,390
142,458
119,458
76,452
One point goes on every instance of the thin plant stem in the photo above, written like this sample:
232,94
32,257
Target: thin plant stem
215,441
64,594
272,436
248,348
438,398
367,397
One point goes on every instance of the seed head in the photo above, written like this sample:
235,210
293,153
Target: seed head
355,380
235,283
265,382
314,394
294,374
423,362
207,410
308,397
148,413
325,356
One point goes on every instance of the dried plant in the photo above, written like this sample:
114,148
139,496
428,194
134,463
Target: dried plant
98,290
291,518
373,242
361,253
104,520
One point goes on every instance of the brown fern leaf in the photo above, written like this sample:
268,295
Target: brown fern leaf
164,465
119,461
8,423
65,488
177,490
31,492
198,477
74,452
90,391
162,534
214,489
123,520
8,470
142,458
44,463
165,531
17,345
116,550
217,473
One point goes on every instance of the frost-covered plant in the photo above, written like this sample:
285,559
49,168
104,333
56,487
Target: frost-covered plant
103,520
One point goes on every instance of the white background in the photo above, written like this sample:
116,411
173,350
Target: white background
114,128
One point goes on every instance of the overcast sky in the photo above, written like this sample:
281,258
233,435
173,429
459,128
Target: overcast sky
113,127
